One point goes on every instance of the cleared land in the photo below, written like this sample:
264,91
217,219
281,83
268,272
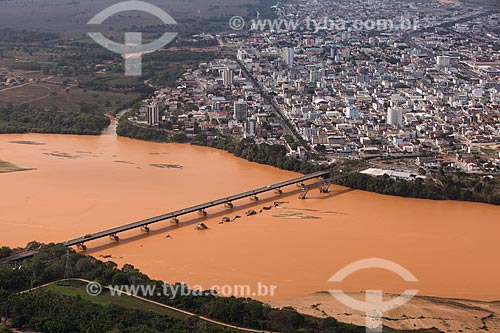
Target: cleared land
70,17
50,95
72,288
492,3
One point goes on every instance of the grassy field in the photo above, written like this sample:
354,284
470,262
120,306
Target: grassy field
67,70
53,96
75,288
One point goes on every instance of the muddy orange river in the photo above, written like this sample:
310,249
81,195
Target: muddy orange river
87,184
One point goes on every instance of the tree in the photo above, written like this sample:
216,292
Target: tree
180,138
320,149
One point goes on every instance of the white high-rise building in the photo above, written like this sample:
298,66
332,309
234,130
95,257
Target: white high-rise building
227,77
288,56
395,116
352,112
153,114
251,126
315,75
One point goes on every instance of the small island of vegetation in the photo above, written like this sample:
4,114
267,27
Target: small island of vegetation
6,167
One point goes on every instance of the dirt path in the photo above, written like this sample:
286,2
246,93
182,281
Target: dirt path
26,84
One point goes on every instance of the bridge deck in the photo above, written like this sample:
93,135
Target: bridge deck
19,256
175,214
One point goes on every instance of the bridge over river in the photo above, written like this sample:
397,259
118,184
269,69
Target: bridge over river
227,202
323,184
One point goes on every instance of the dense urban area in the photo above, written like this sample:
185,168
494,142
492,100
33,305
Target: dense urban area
413,91
394,97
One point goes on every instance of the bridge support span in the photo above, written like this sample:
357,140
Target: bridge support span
201,208
323,186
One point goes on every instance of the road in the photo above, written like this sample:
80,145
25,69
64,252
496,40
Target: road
26,84
187,313
269,100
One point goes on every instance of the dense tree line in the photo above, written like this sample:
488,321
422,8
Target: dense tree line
25,65
444,186
461,186
385,185
161,68
164,68
13,36
5,252
16,120
274,155
130,130
53,313
114,81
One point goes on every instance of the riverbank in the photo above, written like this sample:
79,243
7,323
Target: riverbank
273,155
81,184
442,186
422,312
230,312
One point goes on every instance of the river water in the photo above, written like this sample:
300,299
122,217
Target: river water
86,184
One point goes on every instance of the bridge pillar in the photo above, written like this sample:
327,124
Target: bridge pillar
303,195
254,198
175,221
81,247
325,188
278,191
301,185
114,237
202,212
229,205
145,228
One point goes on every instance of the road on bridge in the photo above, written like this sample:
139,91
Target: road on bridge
198,208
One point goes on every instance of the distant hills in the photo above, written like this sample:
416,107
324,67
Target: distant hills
492,3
